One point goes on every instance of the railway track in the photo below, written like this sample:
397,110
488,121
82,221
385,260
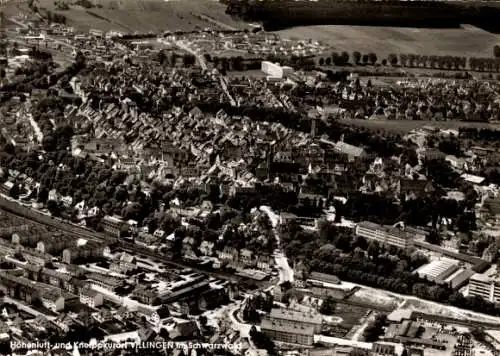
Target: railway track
80,232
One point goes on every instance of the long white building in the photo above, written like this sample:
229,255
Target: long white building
272,69
385,234
486,285
438,270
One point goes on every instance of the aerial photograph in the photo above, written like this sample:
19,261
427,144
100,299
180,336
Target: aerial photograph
250,177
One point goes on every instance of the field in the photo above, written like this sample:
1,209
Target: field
147,15
404,126
465,41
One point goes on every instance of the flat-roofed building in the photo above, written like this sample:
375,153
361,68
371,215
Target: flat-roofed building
292,317
486,285
389,235
292,334
438,270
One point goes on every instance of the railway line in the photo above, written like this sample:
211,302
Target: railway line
18,210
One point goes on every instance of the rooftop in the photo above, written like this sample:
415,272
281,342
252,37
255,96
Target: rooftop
295,316
491,275
294,329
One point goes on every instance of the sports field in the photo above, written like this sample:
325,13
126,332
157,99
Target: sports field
466,41
147,15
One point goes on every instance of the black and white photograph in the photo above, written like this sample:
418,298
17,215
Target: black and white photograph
250,177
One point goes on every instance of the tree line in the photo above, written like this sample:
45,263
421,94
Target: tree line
356,260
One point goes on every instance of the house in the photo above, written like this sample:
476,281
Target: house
212,299
65,322
265,262
229,255
410,189
53,300
123,313
19,287
146,240
57,279
54,245
32,271
185,330
103,316
155,317
206,248
91,297
127,263
145,295
83,253
246,257
104,281
113,225
434,154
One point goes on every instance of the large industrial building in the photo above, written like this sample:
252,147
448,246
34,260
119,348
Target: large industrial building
438,270
445,271
387,235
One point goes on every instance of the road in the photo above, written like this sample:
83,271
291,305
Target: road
182,45
285,271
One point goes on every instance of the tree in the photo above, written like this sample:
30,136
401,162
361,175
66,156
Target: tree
375,329
393,59
328,306
344,58
496,51
356,56
54,208
372,58
433,238
365,58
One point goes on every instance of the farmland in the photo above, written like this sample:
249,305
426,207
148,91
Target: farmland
403,126
146,15
466,41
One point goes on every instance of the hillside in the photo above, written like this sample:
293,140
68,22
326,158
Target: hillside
464,41
146,15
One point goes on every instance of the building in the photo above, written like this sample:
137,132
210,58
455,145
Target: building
19,287
293,334
438,270
290,317
83,253
385,234
53,300
103,281
272,69
145,295
486,285
352,152
112,225
90,297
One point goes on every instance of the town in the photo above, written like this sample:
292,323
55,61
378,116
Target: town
235,192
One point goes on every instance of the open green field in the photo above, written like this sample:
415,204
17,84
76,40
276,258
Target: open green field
466,41
404,126
146,15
